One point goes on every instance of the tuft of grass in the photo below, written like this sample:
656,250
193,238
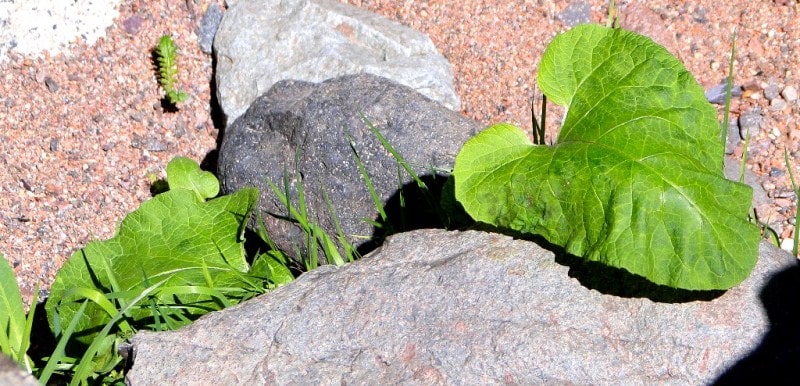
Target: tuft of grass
796,236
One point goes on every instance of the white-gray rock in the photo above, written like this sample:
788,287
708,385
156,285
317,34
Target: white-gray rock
789,93
474,308
263,41
32,26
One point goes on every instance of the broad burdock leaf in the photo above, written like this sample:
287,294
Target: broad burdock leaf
175,236
635,178
184,173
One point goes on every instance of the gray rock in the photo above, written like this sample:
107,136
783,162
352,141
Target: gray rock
732,139
717,93
301,128
263,41
772,91
13,375
789,94
208,27
732,170
750,122
463,308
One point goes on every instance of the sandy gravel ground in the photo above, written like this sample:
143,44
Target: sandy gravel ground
81,131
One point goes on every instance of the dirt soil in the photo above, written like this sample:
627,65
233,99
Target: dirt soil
81,133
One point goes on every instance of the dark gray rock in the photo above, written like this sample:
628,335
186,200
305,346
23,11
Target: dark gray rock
462,308
301,130
261,42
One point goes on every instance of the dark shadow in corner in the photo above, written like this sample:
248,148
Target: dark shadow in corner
416,211
778,355
211,160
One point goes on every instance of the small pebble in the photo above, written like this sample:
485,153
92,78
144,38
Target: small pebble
716,94
789,93
51,84
750,122
777,104
53,144
578,12
772,91
752,86
53,188
787,245
776,172
133,24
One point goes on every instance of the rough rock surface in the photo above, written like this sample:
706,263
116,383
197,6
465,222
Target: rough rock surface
302,129
263,41
438,307
12,375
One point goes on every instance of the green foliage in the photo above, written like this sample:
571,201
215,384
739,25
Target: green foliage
635,179
15,329
186,174
167,58
192,247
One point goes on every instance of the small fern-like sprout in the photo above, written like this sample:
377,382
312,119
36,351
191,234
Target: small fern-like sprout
168,70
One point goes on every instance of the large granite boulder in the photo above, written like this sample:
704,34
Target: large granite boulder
261,42
474,308
310,133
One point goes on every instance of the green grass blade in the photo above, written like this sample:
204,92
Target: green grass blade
426,194
12,314
797,198
348,248
85,364
745,152
376,200
102,301
26,334
728,91
58,352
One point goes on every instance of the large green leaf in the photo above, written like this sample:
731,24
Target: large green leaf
635,179
12,315
174,236
184,173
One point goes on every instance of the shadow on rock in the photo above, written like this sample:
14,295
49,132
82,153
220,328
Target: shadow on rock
610,280
414,207
619,282
778,354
